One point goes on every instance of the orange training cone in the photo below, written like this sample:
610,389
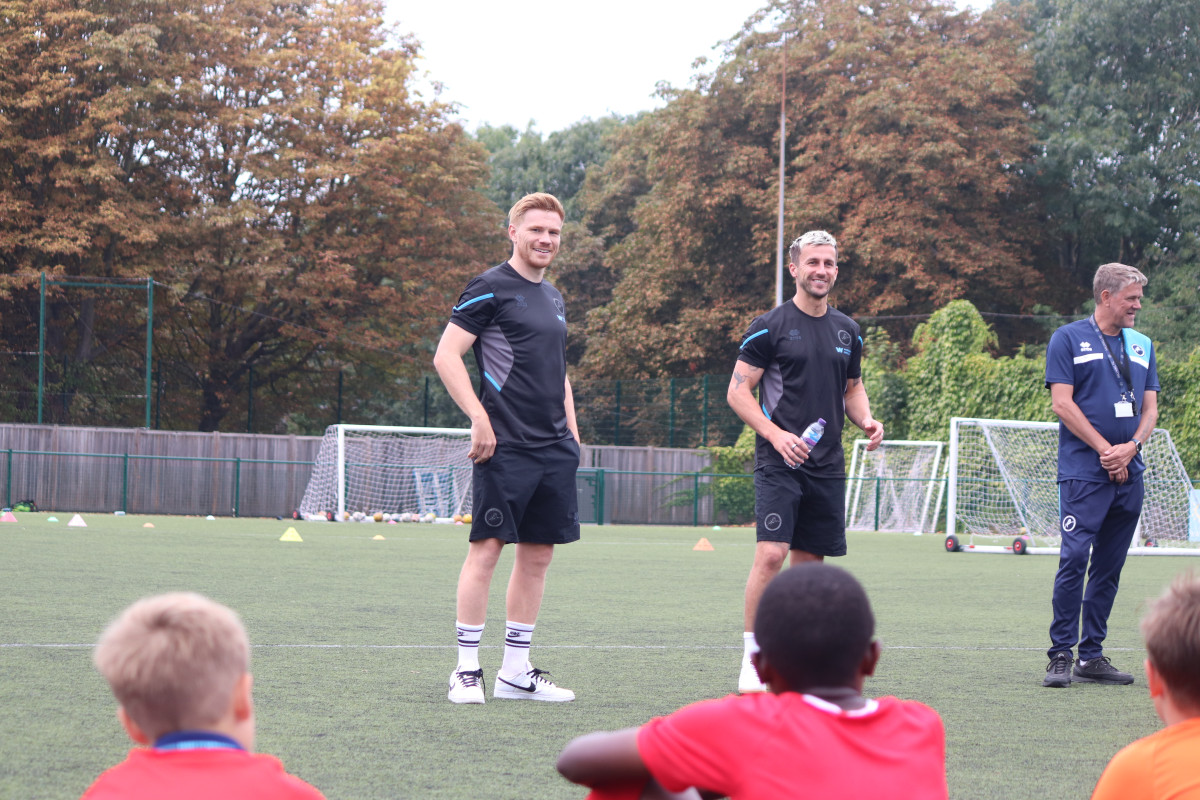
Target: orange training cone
703,544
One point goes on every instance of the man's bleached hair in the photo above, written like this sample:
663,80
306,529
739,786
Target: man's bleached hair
174,660
537,201
811,238
1115,277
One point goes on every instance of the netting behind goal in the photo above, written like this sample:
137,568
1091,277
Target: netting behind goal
371,468
1003,484
894,487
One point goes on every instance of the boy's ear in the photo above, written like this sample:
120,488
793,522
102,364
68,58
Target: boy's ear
243,698
131,728
1154,681
871,658
766,673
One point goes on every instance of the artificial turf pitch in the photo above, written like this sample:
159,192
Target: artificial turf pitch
353,640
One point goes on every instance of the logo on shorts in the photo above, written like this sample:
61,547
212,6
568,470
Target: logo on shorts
844,337
1068,523
773,521
1138,350
494,517
793,335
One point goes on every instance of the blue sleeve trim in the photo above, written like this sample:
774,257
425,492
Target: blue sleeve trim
474,300
751,337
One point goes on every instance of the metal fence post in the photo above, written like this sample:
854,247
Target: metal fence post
125,482
704,415
617,416
695,499
877,480
599,496
237,485
671,418
8,480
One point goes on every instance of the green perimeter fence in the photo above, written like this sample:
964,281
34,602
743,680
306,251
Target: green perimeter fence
186,485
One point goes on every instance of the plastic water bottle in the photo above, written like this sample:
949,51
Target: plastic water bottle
813,433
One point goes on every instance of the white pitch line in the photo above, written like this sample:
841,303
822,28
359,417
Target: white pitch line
886,647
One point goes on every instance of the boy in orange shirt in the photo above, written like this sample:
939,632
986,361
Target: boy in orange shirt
178,665
1164,764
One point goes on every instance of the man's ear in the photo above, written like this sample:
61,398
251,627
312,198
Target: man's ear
871,658
766,672
131,728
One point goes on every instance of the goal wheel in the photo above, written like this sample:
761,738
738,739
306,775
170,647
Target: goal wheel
329,516
295,515
952,545
1021,545
1151,543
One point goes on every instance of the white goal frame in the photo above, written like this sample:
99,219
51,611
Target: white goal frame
1026,511
909,497
422,483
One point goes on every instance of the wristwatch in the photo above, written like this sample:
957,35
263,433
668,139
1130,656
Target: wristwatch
1136,444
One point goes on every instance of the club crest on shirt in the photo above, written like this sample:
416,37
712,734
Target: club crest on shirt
844,337
1138,350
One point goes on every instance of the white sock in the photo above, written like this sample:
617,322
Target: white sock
517,637
751,646
468,646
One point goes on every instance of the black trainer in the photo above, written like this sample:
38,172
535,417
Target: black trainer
1058,671
1100,670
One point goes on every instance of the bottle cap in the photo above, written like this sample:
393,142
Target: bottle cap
820,421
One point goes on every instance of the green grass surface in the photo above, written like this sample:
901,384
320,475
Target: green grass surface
354,639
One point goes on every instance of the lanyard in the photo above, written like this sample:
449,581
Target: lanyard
1120,367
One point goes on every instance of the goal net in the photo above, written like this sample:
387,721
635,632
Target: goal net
1003,484
894,487
370,468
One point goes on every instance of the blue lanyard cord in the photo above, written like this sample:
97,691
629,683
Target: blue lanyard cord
1122,374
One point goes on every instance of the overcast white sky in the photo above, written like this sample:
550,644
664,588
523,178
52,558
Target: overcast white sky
599,58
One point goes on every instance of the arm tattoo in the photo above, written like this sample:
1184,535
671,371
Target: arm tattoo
738,377
853,382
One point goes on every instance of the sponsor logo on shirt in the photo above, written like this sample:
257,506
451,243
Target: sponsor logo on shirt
521,301
793,335
1085,347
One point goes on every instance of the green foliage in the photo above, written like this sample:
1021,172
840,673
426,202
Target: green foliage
734,496
1179,408
1119,166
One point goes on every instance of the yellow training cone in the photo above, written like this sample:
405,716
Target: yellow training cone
703,544
290,535
377,537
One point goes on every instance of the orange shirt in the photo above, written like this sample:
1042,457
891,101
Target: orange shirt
1163,766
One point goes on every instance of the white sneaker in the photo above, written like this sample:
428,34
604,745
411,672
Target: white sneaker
531,685
748,680
467,686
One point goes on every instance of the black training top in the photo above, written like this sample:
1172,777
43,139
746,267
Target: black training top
521,330
806,362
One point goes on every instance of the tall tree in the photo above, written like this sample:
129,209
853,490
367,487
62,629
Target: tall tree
905,124
301,205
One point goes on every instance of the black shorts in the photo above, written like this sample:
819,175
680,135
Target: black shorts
527,495
808,513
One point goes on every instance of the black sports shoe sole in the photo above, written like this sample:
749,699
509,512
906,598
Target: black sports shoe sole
1056,683
1117,682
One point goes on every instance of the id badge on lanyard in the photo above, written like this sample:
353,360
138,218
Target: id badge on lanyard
1124,407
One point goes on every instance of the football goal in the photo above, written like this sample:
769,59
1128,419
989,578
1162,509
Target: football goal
895,487
370,468
1003,491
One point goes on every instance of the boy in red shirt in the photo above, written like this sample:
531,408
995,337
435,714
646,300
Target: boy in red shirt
1164,764
178,665
813,735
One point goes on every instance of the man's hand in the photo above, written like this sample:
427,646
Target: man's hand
793,449
483,440
873,428
1119,475
1117,457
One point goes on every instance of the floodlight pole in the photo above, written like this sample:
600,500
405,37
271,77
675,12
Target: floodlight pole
779,262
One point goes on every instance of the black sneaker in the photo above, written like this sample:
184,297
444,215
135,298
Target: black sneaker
1100,670
1058,671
